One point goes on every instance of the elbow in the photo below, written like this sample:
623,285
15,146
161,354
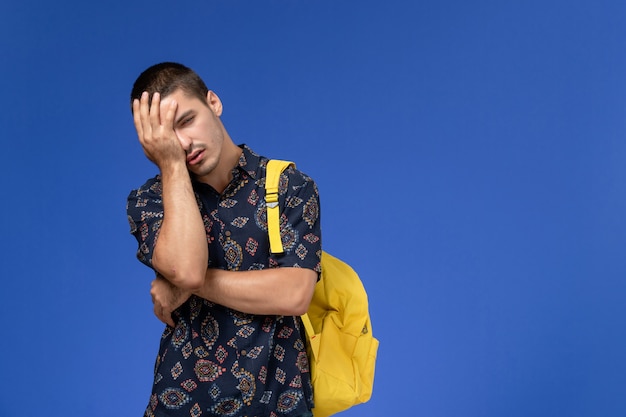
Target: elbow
301,292
293,309
299,303
184,273
299,309
190,281
186,279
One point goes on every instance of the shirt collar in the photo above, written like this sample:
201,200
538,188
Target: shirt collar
249,161
249,164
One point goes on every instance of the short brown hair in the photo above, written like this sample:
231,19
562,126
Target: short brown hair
167,77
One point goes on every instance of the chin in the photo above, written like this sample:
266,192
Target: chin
205,168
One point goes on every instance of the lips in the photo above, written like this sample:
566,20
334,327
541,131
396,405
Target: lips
195,157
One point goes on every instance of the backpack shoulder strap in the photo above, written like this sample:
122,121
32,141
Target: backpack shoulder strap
272,180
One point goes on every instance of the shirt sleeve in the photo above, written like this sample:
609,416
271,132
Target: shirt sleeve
300,225
144,208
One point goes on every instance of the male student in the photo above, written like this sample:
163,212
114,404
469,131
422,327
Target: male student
234,344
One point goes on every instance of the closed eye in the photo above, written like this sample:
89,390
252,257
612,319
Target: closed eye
185,118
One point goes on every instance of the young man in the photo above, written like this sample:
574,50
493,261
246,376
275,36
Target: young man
234,344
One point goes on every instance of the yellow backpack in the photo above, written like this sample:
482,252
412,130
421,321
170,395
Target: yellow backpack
341,349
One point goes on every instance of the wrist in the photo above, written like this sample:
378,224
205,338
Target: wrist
173,168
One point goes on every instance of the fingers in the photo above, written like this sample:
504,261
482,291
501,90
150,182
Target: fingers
146,115
154,122
155,110
161,309
137,118
163,315
169,116
141,117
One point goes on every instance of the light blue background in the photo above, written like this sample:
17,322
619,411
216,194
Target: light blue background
470,158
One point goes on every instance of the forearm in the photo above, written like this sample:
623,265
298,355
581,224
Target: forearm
274,291
181,250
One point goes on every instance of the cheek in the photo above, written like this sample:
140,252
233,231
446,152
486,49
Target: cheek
208,131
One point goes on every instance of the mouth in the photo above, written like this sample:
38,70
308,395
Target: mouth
195,157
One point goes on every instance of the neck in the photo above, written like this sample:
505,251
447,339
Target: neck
222,175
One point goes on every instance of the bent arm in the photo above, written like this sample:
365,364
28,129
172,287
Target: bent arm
181,250
283,291
180,253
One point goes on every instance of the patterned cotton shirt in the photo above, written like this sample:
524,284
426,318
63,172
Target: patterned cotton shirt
218,361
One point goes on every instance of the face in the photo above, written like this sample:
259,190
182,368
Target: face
199,130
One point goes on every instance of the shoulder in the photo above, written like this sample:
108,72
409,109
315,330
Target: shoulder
292,178
148,197
298,179
152,186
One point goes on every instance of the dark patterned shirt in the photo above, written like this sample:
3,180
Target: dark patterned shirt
218,361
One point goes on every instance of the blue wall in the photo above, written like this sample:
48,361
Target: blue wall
470,158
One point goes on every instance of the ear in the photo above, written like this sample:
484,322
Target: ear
214,103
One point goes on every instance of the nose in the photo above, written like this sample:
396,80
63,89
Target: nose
185,142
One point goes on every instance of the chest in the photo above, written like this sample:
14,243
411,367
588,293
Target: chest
236,225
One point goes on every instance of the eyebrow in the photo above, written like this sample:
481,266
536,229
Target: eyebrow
183,116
